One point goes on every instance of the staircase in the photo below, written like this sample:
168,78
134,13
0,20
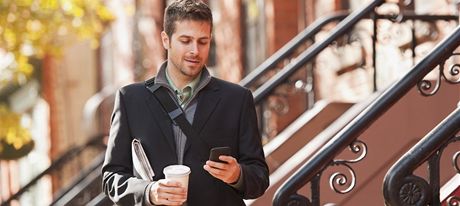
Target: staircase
450,190
326,157
386,140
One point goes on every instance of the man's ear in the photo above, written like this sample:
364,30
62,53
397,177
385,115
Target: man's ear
165,39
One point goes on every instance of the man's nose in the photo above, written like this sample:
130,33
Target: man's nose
194,48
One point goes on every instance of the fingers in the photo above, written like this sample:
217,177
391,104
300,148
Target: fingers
228,159
229,162
171,200
169,183
228,172
167,192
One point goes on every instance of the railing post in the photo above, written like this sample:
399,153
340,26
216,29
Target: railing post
400,179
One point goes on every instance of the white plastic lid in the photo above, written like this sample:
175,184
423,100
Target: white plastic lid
176,170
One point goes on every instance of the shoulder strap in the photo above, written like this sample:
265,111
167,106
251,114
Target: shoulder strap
175,112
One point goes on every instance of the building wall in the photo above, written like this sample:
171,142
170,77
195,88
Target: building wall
228,40
282,23
69,80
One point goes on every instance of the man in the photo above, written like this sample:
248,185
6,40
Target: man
221,114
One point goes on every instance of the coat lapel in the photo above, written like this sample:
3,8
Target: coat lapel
208,99
163,120
207,102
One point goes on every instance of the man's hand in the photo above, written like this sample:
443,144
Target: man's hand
167,192
228,172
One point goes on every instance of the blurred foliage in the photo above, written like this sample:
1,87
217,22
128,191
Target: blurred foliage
32,28
13,136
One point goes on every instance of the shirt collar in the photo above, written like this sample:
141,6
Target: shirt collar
193,84
202,80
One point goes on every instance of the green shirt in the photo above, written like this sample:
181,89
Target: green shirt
183,95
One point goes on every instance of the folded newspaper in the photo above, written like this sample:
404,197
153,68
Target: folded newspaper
141,162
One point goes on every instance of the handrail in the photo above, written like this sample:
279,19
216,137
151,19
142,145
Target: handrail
67,156
400,174
410,15
91,106
315,27
290,47
348,135
344,26
101,199
81,182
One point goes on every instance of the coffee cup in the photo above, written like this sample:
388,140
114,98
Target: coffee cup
178,173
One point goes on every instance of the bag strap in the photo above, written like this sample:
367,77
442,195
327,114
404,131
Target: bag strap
175,112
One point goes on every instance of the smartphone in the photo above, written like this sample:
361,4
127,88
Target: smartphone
218,151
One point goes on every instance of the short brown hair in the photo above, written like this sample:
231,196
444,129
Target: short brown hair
181,10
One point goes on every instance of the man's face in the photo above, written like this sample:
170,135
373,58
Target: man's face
188,48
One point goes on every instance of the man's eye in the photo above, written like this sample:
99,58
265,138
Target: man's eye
203,42
184,41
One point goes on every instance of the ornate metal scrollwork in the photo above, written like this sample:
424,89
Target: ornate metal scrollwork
426,87
455,160
279,103
454,70
398,17
453,201
340,179
456,157
276,105
414,191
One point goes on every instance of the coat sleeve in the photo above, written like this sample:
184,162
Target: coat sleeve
251,155
119,183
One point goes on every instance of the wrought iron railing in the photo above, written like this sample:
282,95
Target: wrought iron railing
92,107
86,186
280,59
273,97
309,33
279,74
289,48
70,155
402,187
308,55
311,171
100,200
